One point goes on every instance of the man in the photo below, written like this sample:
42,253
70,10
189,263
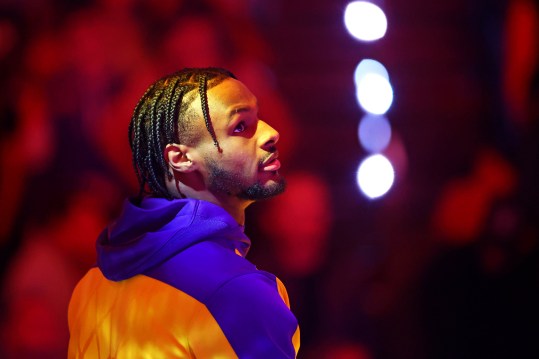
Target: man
171,279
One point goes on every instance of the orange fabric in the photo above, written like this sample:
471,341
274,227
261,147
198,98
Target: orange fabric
141,328
284,294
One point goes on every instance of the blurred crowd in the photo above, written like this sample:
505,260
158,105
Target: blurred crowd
71,73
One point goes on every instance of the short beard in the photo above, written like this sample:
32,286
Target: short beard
230,183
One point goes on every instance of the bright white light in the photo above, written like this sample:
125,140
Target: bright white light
375,176
365,21
369,66
374,132
374,93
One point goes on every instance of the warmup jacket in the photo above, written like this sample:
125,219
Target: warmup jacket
172,281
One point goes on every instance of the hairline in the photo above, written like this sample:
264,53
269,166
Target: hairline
193,113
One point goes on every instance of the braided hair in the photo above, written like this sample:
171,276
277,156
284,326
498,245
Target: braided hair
163,115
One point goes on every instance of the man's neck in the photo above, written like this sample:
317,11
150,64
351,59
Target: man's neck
233,205
237,213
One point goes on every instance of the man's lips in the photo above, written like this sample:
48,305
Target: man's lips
271,163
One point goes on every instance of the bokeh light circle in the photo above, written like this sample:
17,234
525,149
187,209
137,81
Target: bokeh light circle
365,21
374,133
369,66
374,93
375,176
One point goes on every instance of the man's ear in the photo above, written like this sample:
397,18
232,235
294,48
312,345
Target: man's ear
178,158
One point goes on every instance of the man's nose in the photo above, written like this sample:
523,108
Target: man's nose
269,136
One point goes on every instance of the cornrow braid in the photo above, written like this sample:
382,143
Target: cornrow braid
171,133
163,116
154,161
135,135
202,85
173,97
136,149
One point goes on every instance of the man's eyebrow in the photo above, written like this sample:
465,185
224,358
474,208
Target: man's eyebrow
242,109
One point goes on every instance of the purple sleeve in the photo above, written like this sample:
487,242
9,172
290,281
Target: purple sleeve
254,317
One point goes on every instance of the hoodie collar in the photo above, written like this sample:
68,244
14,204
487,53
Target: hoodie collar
148,234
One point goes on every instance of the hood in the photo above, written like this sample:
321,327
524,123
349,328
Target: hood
148,234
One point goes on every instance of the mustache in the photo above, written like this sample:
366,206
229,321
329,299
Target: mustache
271,152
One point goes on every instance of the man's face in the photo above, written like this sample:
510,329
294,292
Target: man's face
247,168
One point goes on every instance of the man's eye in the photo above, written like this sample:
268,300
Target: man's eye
240,127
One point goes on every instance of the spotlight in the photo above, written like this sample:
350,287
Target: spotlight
365,21
375,176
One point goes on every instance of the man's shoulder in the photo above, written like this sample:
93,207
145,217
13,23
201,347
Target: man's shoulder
204,268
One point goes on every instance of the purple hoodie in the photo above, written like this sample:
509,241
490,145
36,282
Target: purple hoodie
145,236
197,249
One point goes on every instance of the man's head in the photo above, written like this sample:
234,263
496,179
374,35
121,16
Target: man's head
196,133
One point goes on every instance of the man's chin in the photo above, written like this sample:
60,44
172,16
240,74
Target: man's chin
267,190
